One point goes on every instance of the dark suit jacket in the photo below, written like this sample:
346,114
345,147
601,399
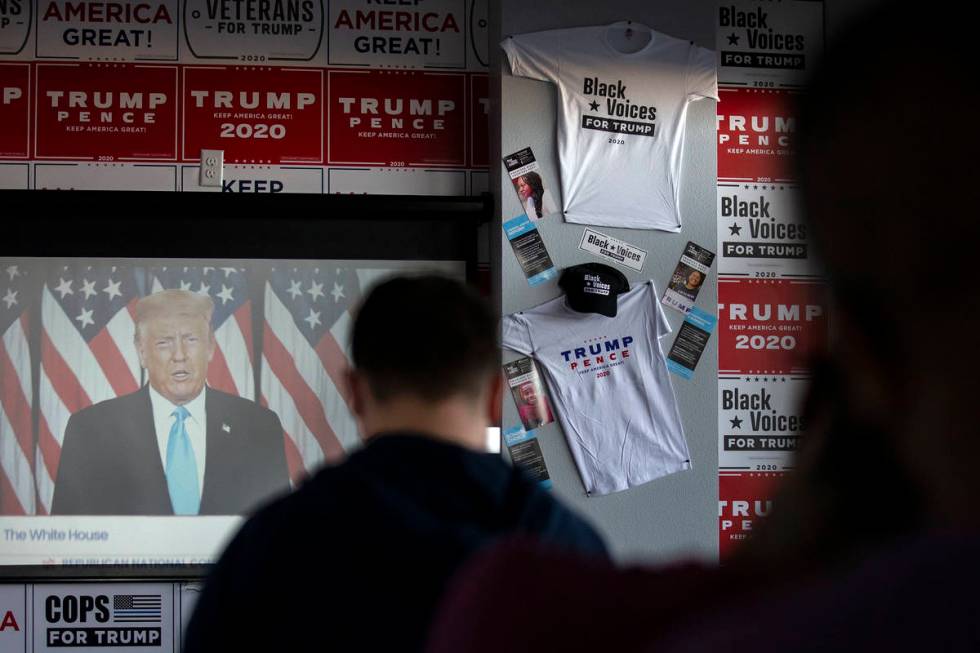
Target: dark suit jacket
110,459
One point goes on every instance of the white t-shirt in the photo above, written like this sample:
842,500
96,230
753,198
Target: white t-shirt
610,386
621,122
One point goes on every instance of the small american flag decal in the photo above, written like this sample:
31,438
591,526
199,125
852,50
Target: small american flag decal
128,608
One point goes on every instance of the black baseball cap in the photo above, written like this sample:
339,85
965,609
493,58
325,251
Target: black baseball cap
593,288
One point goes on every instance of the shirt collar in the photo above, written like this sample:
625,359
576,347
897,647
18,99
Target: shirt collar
163,406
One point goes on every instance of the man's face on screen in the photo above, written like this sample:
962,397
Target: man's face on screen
176,350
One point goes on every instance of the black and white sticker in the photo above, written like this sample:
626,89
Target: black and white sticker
613,249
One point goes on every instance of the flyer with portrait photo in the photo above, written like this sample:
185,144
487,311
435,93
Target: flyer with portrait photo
528,392
688,277
525,175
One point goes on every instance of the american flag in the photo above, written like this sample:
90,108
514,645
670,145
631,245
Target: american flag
304,358
17,495
232,368
87,353
129,608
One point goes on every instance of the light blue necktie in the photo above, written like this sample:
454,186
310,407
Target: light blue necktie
182,468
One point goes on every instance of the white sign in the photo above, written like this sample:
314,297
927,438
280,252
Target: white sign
14,176
479,36
279,30
613,249
761,231
13,618
258,179
768,44
123,618
419,34
760,422
125,31
105,176
15,25
396,181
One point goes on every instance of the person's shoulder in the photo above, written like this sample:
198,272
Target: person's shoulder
114,406
314,505
225,401
540,513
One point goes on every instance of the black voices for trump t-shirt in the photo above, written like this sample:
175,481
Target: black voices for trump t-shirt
621,119
611,389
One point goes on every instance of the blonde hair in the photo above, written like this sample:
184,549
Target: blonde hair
172,302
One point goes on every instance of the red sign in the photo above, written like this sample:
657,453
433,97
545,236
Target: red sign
743,499
15,85
756,135
106,111
769,326
396,118
479,120
256,115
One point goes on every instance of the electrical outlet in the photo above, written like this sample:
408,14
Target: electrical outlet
212,167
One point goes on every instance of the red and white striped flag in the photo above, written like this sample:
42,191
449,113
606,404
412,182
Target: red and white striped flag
87,353
307,318
17,494
232,368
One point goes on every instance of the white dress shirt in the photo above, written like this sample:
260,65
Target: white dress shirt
195,424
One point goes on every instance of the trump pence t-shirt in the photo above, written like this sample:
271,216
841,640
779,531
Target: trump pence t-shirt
621,119
610,386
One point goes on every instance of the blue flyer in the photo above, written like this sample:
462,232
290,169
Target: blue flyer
529,249
525,452
690,342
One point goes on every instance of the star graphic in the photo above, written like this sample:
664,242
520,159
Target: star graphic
10,298
736,423
593,106
294,289
316,290
85,318
112,289
64,287
735,229
207,269
203,290
313,319
13,272
225,294
185,285
337,292
228,272
733,39
88,287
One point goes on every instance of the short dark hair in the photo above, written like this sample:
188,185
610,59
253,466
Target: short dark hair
429,336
